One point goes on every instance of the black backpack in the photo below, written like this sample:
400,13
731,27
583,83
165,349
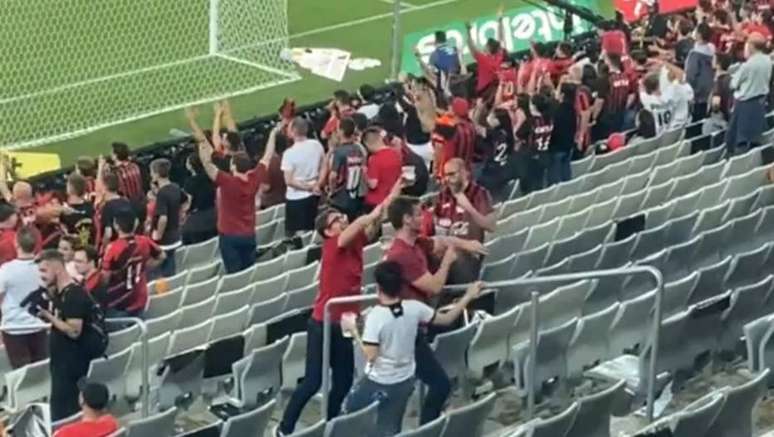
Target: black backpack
95,337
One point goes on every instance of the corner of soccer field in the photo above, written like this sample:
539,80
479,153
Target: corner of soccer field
361,27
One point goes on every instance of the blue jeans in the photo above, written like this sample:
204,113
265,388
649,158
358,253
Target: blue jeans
238,252
560,169
392,400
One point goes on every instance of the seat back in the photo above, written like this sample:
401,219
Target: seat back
251,423
360,423
158,425
468,421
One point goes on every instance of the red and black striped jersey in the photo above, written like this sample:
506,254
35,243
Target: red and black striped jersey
620,85
463,143
129,180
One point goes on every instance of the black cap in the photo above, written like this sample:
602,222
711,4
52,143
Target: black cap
95,394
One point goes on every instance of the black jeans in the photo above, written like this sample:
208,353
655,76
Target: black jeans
65,374
430,372
342,369
238,252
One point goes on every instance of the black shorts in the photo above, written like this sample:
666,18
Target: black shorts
300,214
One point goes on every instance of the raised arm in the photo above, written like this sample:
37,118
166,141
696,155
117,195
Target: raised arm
228,116
469,39
205,156
198,133
4,189
271,145
217,143
446,318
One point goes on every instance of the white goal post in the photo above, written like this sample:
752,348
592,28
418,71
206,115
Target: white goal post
71,67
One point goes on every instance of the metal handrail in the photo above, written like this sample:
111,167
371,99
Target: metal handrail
628,271
144,354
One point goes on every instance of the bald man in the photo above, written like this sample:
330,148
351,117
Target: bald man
463,209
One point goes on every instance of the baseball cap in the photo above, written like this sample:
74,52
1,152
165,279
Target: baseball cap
95,394
460,107
616,141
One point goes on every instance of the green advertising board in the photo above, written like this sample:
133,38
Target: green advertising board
522,25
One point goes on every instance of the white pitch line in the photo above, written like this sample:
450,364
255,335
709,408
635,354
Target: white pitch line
370,19
404,5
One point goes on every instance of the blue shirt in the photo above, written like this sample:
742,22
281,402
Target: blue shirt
445,59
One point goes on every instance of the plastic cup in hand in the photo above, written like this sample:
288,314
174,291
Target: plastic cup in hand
348,321
409,173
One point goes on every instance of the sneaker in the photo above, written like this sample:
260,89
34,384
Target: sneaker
275,432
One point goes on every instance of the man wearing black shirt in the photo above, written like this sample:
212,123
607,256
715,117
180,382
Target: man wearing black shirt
70,318
166,215
113,203
201,218
563,140
78,212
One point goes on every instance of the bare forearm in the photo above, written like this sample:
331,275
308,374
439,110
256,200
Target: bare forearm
448,317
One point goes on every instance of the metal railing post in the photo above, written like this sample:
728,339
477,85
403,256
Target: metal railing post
532,357
569,277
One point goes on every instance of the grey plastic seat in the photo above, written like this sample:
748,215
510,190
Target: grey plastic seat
744,184
111,371
585,260
529,260
741,206
765,197
157,351
711,174
269,289
294,361
594,411
489,345
629,205
193,314
690,164
556,209
266,310
590,342
499,270
202,273
171,283
685,185
685,205
519,221
601,213
160,325
603,292
264,233
765,229
567,189
316,430
563,304
677,293
201,254
541,234
199,292
680,258
648,242
302,276
259,374
572,224
744,226
555,269
541,197
680,228
737,416
161,424
268,269
28,384
603,161
741,164
228,302
302,298
556,425
582,166
451,349
433,428
696,418
641,163
163,304
236,281
183,340
746,305
673,138
468,421
709,196
513,206
297,258
714,154
754,333
229,324
503,246
630,325
713,245
251,423
583,201
656,216
657,194
711,281
551,356
657,260
362,422
711,218
664,173
616,253
673,355
746,267
121,340
612,188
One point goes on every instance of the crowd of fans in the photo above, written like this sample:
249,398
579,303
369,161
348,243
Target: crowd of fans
464,135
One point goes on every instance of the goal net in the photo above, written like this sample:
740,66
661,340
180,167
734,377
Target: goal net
72,66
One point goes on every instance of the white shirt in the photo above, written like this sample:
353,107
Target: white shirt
683,97
662,106
303,160
370,110
395,337
18,278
